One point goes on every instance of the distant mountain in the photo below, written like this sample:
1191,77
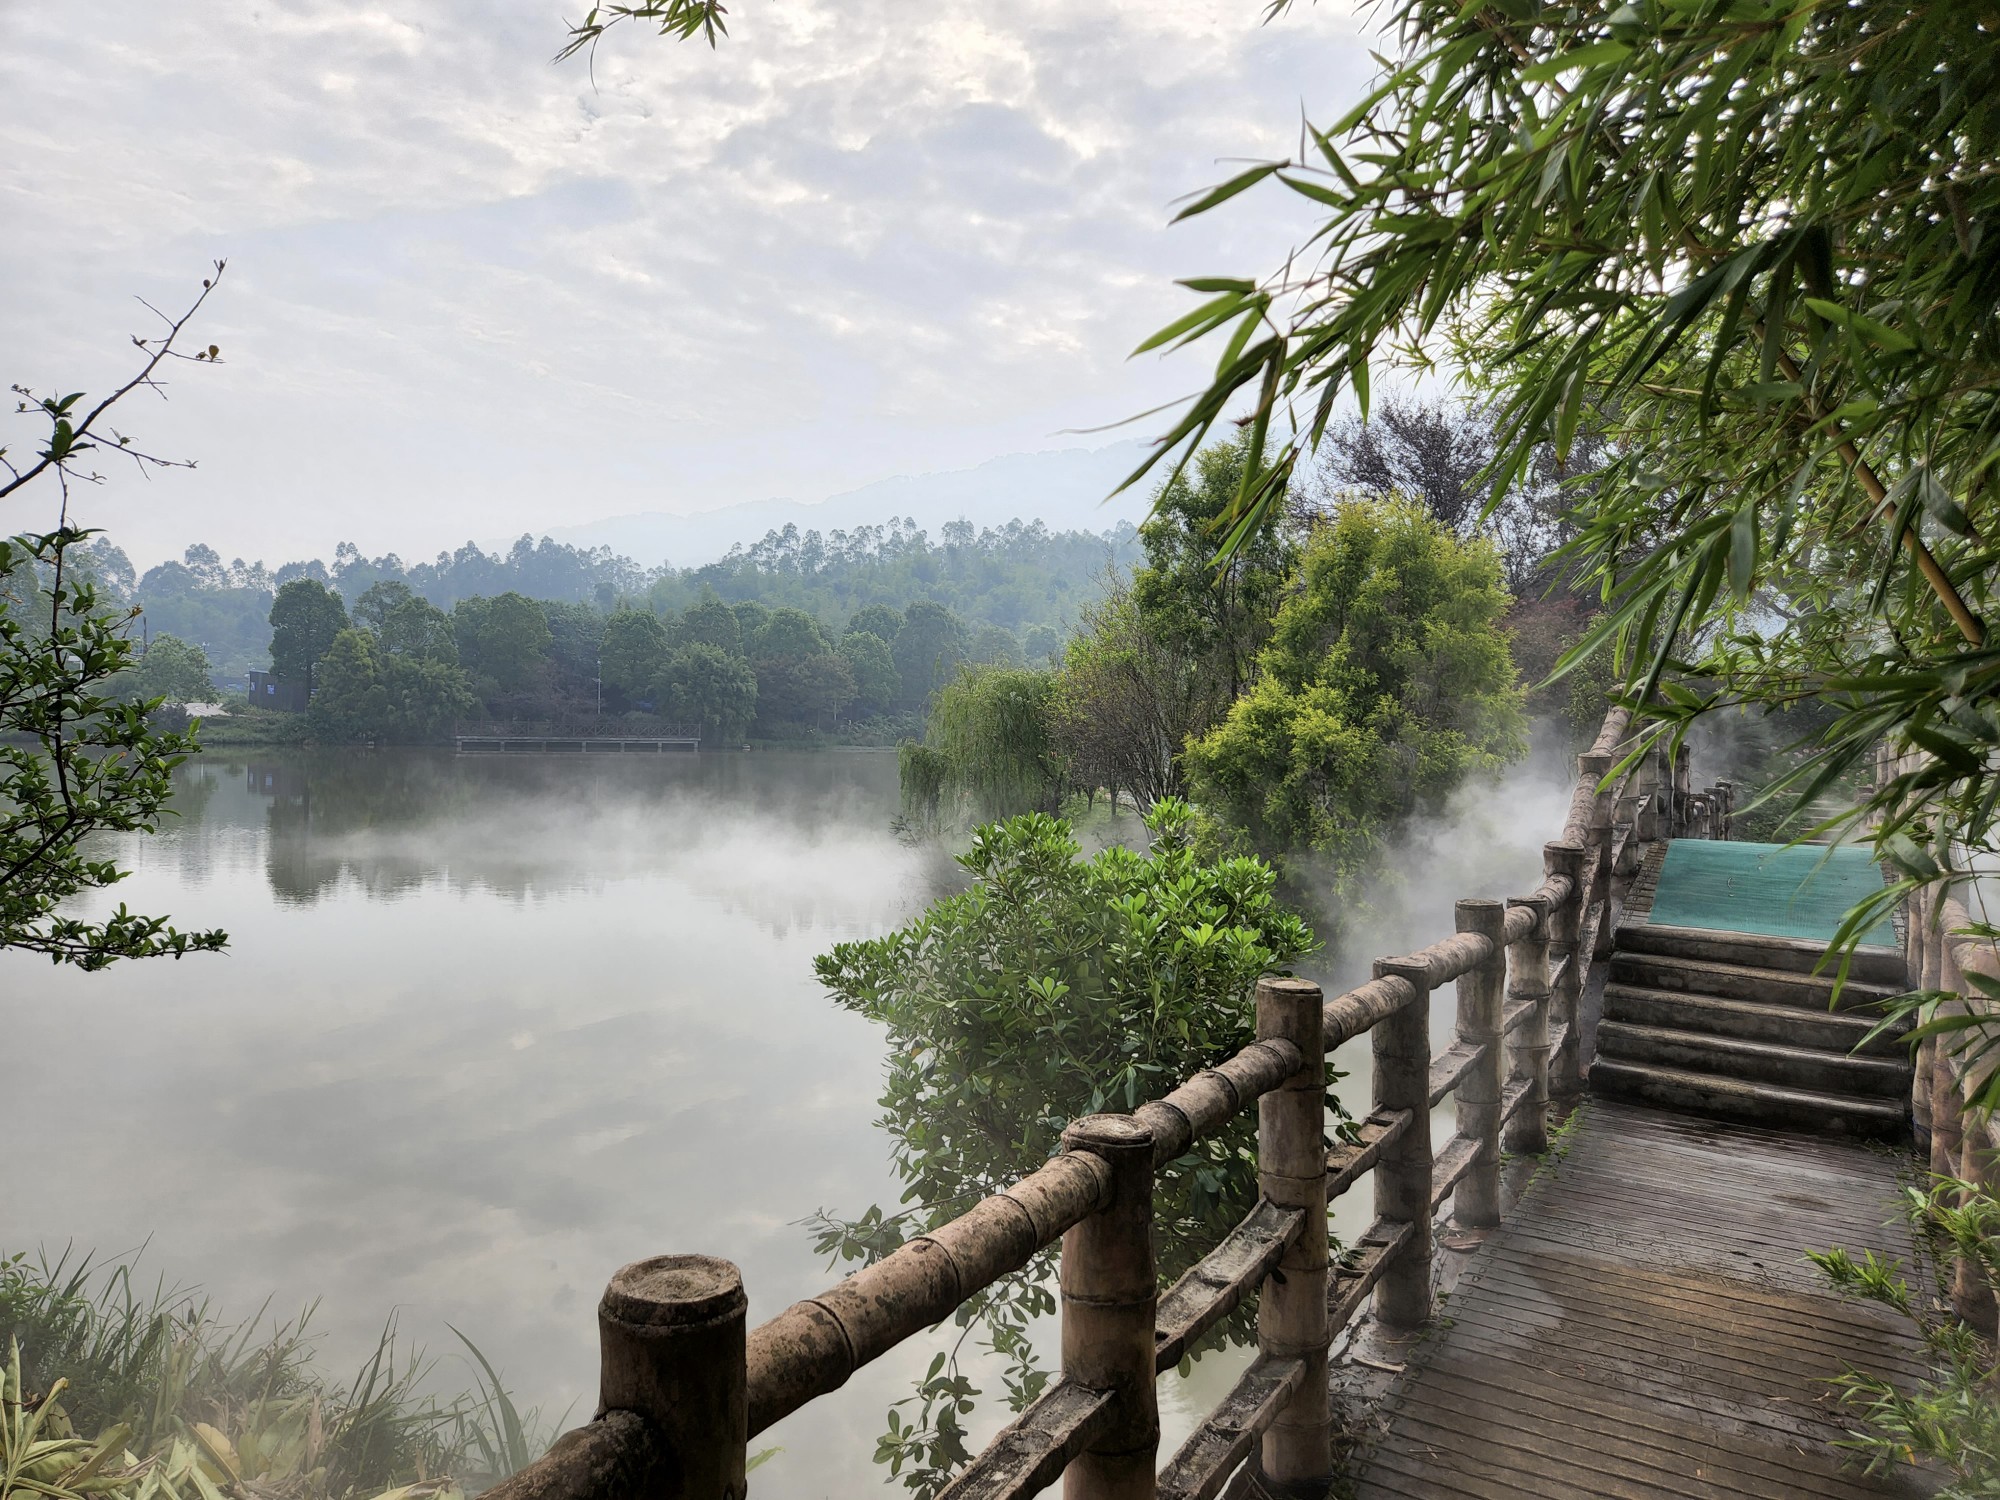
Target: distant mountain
1063,488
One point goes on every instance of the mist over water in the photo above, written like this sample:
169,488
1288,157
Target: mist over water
489,1028
486,1030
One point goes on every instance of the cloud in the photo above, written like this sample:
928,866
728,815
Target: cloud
474,292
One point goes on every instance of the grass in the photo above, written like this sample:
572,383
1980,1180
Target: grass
118,1390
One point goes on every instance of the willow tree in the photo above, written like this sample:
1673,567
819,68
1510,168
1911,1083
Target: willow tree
990,750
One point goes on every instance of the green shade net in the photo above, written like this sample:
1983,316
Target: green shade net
1799,892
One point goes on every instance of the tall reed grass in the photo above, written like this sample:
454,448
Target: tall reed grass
119,1390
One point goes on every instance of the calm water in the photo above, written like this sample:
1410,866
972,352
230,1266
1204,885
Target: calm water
488,1029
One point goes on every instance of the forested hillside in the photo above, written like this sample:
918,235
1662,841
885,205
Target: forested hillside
1022,578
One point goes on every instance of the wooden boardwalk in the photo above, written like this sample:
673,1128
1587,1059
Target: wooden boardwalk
1645,1325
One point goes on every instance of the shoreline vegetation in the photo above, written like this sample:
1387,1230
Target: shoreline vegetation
113,1390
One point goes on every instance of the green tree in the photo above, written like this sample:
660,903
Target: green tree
174,671
1042,645
1054,987
801,682
786,632
305,617
873,670
1216,620
750,618
710,691
710,622
368,693
994,646
75,763
378,599
634,653
414,627
576,634
1387,679
503,641
929,647
878,620
1125,703
991,727
350,703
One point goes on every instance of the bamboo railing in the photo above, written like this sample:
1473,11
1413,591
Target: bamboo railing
1943,952
685,1386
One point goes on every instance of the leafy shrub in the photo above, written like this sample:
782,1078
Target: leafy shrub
1951,1422
1053,987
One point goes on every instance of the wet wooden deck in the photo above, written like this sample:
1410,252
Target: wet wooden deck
1646,1324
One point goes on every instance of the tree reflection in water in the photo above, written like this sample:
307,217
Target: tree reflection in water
1053,987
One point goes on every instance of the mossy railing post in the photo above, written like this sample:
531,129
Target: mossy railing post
1566,993
1527,1130
1291,1173
670,1333
1595,766
1482,990
1109,1292
1402,1057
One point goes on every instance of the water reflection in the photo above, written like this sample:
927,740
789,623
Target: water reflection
485,1032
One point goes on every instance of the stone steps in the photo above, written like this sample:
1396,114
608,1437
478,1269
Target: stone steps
1750,1020
1878,966
1821,1070
1739,1025
1725,981
1859,1116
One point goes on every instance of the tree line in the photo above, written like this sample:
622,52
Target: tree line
397,668
1020,579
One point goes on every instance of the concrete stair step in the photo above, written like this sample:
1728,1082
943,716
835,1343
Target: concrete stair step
1729,981
1743,1099
1759,1062
1749,1020
1794,955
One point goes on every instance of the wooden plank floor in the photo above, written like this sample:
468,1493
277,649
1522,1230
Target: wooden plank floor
1646,1325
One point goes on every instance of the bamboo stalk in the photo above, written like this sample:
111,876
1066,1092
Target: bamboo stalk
1291,1173
1109,1290
670,1333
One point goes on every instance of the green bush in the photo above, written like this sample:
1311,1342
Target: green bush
1053,987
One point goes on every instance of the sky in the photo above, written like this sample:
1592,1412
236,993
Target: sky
473,292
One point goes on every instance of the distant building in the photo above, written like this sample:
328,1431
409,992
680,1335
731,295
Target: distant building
267,691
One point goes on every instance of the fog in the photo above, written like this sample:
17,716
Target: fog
487,1029
484,1032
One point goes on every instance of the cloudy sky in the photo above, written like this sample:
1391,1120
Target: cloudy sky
473,292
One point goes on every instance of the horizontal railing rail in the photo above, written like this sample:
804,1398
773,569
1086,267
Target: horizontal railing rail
685,1385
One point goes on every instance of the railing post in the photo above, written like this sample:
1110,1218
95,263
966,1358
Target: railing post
1596,766
1528,983
1566,996
1402,1047
1482,990
1109,1289
670,1332
1291,1173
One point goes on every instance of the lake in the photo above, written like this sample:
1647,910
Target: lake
490,1027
